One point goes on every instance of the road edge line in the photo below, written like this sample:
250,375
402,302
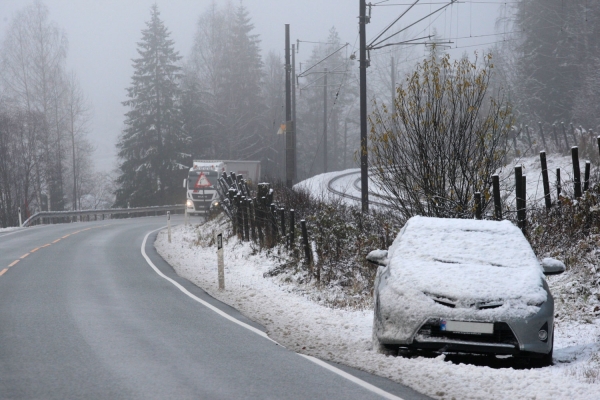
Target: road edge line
315,360
352,378
204,303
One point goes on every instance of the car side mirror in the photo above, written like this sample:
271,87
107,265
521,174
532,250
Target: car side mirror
185,183
552,266
378,257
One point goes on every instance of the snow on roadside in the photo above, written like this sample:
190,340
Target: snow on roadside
344,336
11,228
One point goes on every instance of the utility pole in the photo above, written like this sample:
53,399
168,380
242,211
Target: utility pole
290,166
364,166
345,140
393,87
325,121
294,177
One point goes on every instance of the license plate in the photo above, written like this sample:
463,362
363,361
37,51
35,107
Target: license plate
469,327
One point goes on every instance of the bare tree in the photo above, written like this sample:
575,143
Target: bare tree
444,141
33,56
78,115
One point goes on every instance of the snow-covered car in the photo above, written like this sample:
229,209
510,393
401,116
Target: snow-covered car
468,286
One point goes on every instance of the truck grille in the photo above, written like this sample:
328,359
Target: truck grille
199,196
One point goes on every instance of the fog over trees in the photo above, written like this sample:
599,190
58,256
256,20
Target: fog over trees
223,98
44,151
550,61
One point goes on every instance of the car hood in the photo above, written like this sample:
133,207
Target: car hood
463,285
467,260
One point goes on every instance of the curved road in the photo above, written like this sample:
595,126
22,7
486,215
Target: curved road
348,185
84,315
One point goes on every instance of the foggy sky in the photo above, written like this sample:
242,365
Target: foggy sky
103,35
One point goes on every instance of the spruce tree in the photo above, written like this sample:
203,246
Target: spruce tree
151,143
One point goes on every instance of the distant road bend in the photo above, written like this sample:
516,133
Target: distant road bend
91,311
352,191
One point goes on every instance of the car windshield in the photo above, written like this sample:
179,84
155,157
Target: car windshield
202,179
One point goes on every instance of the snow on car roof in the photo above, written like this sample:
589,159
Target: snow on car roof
457,257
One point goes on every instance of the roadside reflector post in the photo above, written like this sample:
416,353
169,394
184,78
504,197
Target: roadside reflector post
20,219
220,262
169,225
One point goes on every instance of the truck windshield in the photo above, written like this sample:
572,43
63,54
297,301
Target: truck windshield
198,180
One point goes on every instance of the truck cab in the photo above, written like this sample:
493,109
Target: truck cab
201,186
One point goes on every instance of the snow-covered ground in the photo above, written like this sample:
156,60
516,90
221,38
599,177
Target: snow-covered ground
12,228
294,317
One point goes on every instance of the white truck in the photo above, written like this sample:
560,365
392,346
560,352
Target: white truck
202,181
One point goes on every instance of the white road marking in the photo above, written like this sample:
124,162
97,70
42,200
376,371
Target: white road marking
352,378
323,364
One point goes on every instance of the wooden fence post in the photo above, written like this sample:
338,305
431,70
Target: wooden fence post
305,243
496,190
478,205
252,211
520,197
246,215
558,186
273,220
292,229
573,133
558,146
546,182
586,179
282,218
576,171
528,137
542,134
564,131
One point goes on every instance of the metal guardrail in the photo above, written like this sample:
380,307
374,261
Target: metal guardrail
57,217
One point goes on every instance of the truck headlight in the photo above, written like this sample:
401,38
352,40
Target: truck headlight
189,204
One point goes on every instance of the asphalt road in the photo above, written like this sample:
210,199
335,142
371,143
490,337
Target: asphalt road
84,316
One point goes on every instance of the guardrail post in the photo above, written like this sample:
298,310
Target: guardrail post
20,219
169,225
